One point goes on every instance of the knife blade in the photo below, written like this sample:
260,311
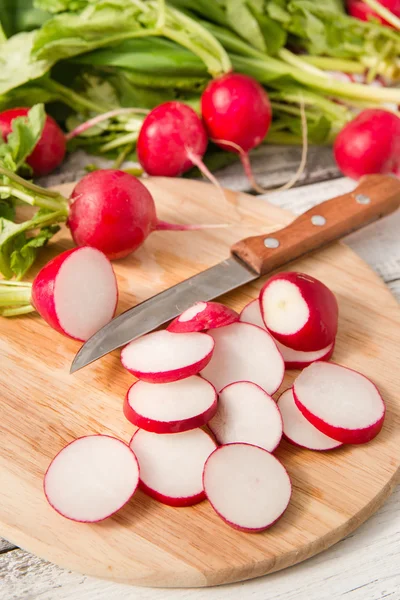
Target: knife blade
376,196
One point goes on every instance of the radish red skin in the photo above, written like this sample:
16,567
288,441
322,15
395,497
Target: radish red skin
50,150
321,327
174,375
213,316
166,135
360,10
301,365
170,501
369,144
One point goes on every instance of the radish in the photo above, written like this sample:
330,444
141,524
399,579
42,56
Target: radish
247,414
244,352
360,10
91,478
298,430
247,486
340,402
294,359
171,407
49,152
369,144
237,115
76,293
162,356
203,315
171,466
299,311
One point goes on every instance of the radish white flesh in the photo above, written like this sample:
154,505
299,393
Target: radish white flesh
247,414
171,407
298,430
294,359
162,356
171,466
247,486
341,403
91,478
244,352
203,315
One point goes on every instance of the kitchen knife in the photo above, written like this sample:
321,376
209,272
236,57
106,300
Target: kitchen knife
376,196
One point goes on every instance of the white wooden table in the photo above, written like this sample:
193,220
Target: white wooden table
365,565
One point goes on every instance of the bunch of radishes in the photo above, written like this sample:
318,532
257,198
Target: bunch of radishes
213,367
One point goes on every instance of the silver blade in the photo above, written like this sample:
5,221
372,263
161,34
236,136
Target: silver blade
158,310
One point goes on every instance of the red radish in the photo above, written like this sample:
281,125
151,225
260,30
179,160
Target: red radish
340,402
171,407
91,478
49,152
202,316
369,144
247,414
247,486
171,466
237,114
360,10
299,311
244,352
298,430
76,293
162,356
113,211
294,359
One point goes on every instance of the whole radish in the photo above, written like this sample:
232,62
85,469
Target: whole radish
369,144
49,152
359,10
237,114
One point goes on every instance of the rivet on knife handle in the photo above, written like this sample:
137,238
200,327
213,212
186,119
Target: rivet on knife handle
375,197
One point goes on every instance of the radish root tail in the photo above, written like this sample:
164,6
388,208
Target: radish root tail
164,226
244,157
196,160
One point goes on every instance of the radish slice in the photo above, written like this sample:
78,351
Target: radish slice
76,293
299,311
203,315
171,466
247,414
162,356
340,402
171,407
244,352
298,430
91,478
247,486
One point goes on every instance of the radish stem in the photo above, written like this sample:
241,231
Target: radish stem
28,184
103,117
384,12
15,312
328,63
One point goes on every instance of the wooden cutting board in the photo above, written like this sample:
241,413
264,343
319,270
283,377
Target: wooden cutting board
43,408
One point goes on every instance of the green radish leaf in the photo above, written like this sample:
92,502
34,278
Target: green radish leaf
57,6
243,22
7,209
24,254
274,34
25,134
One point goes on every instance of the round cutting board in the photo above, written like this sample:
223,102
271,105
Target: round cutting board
42,408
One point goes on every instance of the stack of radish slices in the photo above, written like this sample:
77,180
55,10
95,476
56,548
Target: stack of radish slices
207,422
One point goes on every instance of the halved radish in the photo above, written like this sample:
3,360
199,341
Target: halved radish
299,311
171,407
298,430
162,356
91,478
171,466
76,293
247,414
244,352
247,486
294,359
340,402
202,316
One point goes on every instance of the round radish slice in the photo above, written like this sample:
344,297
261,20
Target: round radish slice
244,352
76,293
171,407
294,359
299,311
203,315
247,414
247,486
91,478
171,466
340,402
162,356
298,430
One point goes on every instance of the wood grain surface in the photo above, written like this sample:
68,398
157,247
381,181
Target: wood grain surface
149,544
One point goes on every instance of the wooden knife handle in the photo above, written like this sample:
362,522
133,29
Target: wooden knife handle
375,197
